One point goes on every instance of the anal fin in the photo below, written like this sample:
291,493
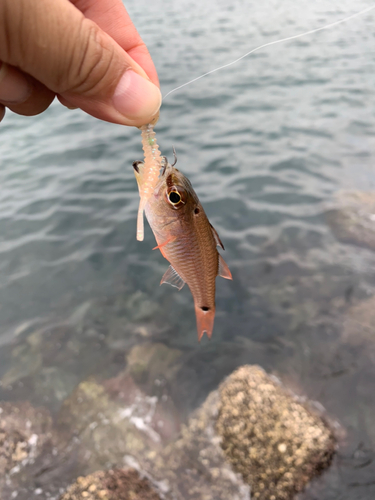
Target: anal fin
172,277
224,271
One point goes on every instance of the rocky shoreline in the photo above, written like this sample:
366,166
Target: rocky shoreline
251,438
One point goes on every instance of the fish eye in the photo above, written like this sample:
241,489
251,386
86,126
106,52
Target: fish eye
174,197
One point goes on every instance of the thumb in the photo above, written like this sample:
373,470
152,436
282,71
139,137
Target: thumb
52,41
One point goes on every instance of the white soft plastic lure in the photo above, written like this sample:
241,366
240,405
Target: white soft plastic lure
150,173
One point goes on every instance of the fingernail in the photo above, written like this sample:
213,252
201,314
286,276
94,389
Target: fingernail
14,86
136,98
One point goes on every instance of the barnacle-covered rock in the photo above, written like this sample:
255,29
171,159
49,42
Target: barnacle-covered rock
25,434
273,440
24,431
251,431
117,484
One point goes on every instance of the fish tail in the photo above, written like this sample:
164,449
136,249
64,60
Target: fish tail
205,321
140,223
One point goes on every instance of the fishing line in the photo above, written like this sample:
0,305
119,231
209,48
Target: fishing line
327,26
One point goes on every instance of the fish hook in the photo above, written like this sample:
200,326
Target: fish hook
175,157
165,164
165,161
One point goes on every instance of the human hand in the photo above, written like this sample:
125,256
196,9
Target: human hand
86,52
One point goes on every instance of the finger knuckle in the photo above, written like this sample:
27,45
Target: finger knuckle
90,62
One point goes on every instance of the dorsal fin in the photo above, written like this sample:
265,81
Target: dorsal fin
224,271
217,237
172,277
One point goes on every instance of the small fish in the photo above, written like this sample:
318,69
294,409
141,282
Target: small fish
186,239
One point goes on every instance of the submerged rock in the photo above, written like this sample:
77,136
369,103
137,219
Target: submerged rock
274,441
106,429
115,418
359,323
249,434
118,484
194,467
151,361
250,431
353,221
49,362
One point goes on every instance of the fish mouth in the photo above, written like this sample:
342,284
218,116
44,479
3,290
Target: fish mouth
136,164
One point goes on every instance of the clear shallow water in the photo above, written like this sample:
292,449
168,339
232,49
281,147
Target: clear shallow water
266,144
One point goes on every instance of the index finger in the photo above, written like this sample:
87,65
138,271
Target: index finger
112,17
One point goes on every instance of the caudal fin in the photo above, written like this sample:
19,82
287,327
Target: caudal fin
205,320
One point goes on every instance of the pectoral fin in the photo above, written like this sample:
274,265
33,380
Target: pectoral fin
162,245
169,240
224,271
172,277
217,237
